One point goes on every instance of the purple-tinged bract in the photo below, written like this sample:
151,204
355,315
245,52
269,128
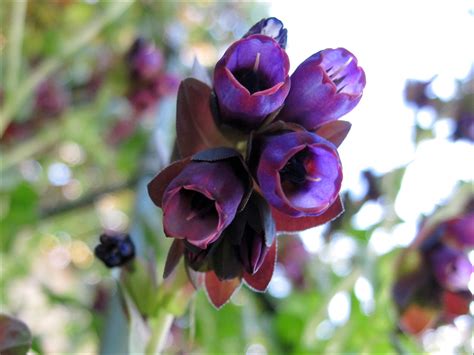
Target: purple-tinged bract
251,81
324,87
299,173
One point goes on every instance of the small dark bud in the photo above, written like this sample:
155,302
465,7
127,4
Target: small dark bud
115,250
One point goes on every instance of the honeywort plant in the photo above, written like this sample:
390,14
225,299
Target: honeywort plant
258,156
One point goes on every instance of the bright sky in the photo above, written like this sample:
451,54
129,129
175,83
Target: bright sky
393,41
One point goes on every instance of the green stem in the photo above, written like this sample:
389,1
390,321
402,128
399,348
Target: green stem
161,325
38,143
114,11
344,285
15,40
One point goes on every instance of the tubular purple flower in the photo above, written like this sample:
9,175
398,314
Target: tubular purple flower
201,201
324,87
451,268
251,81
299,173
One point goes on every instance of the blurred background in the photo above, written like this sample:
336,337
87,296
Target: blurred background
84,128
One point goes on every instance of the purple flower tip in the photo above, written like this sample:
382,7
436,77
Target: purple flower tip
271,27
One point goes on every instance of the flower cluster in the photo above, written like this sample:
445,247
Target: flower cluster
259,156
432,285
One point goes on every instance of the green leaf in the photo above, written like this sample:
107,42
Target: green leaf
22,211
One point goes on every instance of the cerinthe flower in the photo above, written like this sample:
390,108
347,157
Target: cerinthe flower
299,173
200,196
251,81
324,87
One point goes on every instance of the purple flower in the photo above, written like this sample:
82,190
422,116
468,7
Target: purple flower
200,197
201,202
115,250
271,27
144,59
299,173
324,87
251,81
451,268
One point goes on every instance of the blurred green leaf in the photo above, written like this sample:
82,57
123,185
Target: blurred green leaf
22,211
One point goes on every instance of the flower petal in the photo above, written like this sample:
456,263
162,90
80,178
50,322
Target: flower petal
174,256
260,280
157,186
195,126
334,131
219,292
285,223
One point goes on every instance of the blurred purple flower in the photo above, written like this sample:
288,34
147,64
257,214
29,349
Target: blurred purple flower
451,268
251,81
144,59
464,126
432,279
324,87
50,101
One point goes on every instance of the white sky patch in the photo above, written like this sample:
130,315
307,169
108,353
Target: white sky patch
312,239
433,175
393,41
370,213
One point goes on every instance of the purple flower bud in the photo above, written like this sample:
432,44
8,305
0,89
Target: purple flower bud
451,268
251,81
201,201
115,250
271,27
299,173
324,87
253,249
144,59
